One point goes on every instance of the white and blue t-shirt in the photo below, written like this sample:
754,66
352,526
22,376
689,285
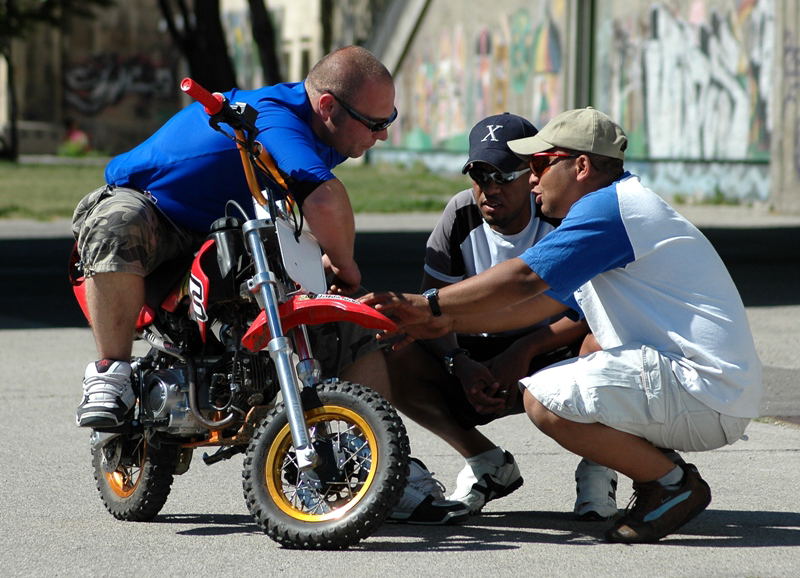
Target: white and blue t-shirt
642,274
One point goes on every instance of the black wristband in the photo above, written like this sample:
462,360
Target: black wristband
432,295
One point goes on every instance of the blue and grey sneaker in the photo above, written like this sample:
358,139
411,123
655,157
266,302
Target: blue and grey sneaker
107,394
656,510
423,500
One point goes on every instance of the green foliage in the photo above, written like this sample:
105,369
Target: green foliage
46,192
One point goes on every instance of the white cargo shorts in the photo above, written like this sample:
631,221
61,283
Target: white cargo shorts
633,389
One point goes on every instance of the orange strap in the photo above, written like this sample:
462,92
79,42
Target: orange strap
252,182
269,164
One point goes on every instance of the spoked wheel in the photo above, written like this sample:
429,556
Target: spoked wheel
362,451
133,477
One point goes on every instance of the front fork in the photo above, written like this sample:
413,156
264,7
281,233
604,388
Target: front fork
263,285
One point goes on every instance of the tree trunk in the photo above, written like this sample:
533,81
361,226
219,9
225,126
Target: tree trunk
11,150
264,34
203,45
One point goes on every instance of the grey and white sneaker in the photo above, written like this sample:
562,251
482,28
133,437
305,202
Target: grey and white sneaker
596,488
481,482
107,394
423,500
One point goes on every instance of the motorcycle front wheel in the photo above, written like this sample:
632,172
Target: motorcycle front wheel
362,450
133,477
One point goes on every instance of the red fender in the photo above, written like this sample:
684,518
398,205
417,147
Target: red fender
305,310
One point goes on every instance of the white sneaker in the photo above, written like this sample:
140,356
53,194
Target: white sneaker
107,394
423,500
596,487
480,483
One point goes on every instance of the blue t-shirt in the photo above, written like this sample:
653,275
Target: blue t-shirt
191,170
591,240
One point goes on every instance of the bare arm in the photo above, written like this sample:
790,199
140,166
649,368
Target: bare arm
330,216
507,296
501,286
518,315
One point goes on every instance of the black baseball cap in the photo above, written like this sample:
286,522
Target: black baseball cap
488,141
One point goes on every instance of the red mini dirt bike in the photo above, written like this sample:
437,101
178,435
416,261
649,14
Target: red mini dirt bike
230,365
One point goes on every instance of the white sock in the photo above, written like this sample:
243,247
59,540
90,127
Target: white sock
672,479
494,456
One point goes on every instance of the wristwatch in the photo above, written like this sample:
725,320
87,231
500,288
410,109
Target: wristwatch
450,359
432,295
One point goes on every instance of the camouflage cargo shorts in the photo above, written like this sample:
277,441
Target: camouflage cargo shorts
119,230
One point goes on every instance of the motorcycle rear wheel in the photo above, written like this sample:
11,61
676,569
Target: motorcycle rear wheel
362,448
133,477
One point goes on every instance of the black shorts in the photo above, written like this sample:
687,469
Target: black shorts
483,348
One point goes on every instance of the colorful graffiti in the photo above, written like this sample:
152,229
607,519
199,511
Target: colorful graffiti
693,86
791,86
105,79
455,77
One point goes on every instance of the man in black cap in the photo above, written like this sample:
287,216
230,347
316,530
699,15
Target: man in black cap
453,384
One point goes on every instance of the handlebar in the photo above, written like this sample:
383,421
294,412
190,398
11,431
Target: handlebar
213,102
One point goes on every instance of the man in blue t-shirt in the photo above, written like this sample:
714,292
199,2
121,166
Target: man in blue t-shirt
161,197
674,366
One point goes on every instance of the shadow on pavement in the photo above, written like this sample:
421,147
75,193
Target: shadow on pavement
511,530
764,263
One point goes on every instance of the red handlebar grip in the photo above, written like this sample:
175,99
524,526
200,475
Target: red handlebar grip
211,102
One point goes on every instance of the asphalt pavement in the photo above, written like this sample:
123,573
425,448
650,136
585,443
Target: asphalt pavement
52,522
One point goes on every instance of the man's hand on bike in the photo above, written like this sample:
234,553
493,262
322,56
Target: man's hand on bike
346,280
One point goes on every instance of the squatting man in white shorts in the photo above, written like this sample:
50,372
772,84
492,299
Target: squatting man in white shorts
676,367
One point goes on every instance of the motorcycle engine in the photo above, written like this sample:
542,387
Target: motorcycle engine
232,383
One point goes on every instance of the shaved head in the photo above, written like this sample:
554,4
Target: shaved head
345,71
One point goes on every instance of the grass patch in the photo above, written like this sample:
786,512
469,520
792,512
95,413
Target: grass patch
393,189
46,192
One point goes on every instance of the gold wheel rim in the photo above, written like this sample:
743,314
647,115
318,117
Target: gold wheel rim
285,496
124,480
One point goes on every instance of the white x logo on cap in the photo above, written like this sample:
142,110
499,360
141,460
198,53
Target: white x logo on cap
490,134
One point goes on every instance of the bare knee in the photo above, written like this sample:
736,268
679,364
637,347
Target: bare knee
542,417
589,345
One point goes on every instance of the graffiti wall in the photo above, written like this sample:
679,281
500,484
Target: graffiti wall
691,80
463,66
103,80
119,76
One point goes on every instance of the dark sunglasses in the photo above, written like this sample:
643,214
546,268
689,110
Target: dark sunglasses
373,125
483,177
540,162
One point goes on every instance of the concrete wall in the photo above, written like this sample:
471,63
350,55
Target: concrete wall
469,59
691,80
706,89
785,165
117,75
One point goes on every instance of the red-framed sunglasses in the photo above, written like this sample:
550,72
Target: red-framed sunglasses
540,162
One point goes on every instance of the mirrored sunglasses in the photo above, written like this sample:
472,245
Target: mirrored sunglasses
483,177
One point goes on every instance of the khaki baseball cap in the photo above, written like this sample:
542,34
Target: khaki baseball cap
585,130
